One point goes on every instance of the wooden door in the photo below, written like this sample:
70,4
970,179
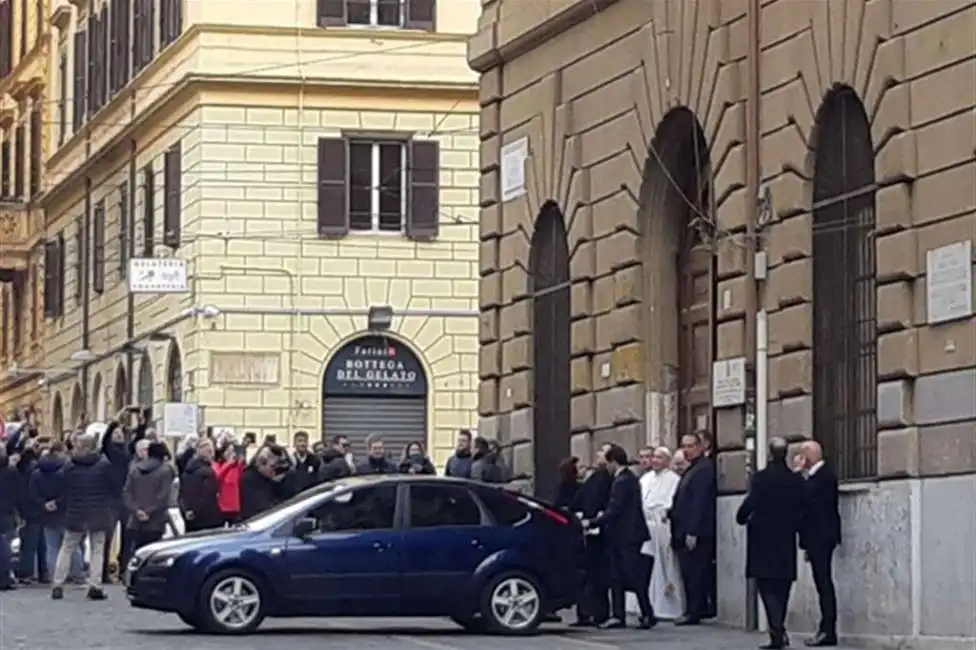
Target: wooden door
694,339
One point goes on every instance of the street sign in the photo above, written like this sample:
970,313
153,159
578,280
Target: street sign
158,275
729,382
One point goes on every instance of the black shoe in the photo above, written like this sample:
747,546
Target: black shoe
95,593
821,641
583,622
552,618
57,593
647,622
683,621
612,624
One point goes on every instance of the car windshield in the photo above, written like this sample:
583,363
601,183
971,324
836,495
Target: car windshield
293,507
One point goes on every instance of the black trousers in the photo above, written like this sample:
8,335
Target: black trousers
595,602
140,538
822,565
695,567
631,571
121,518
775,596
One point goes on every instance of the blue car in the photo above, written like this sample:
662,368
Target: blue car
491,559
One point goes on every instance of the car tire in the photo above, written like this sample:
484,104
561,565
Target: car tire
513,603
232,602
189,620
472,624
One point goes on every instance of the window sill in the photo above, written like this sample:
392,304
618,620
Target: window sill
857,487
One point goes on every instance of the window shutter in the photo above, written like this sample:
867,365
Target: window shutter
98,248
421,14
423,216
79,259
50,279
332,13
333,180
37,151
148,211
173,191
81,77
59,276
123,229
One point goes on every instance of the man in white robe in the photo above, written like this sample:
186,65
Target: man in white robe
658,485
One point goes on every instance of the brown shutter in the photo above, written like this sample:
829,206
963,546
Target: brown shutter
50,279
421,14
423,208
98,248
332,13
37,151
333,180
173,193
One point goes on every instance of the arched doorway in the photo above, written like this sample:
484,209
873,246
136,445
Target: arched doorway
676,221
844,286
98,396
77,407
549,276
57,416
145,381
121,393
375,384
174,374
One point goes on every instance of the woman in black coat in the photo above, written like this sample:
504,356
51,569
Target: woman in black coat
569,485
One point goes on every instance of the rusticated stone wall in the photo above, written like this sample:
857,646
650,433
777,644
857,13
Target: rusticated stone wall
589,82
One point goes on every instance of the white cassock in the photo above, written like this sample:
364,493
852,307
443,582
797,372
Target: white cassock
665,591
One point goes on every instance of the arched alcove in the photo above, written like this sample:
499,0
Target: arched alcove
98,400
675,218
77,407
174,374
551,348
375,383
57,416
121,392
844,286
146,382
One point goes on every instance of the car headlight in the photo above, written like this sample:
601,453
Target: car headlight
163,560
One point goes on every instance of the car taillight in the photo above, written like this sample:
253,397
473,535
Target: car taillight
556,516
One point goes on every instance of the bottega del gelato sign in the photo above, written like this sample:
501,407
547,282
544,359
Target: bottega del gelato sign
375,365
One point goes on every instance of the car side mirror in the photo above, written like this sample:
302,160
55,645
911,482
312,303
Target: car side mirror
305,527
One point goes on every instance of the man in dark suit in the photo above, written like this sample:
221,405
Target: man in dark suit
819,537
591,500
773,512
692,517
625,531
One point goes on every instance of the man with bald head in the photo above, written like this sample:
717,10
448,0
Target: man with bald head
820,536
772,513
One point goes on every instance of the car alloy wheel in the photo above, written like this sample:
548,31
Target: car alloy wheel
515,604
235,603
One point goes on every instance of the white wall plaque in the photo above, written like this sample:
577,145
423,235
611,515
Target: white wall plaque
729,382
949,282
158,275
513,157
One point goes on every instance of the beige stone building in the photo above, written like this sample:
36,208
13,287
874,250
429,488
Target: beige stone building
654,190
286,177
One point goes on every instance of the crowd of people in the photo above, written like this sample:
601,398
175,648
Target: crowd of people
650,534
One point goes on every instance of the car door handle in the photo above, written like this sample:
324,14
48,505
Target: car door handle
380,546
476,543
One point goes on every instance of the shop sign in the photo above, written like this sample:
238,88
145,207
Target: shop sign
375,365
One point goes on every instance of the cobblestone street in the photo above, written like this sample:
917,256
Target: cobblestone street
29,620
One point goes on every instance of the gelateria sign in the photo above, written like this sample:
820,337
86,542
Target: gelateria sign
375,365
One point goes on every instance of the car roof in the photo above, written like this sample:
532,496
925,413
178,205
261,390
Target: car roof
373,479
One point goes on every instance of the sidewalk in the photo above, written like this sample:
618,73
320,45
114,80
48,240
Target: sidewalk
667,637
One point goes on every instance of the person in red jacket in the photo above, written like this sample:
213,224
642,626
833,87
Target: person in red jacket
229,469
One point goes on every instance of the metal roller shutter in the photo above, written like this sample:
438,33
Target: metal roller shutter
399,419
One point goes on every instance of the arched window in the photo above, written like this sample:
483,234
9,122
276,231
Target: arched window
98,407
77,407
174,375
844,298
121,393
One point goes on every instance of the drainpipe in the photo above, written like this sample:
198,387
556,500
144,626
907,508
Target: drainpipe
130,299
86,287
753,171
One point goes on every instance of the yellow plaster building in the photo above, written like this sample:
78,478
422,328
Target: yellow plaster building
291,171
24,44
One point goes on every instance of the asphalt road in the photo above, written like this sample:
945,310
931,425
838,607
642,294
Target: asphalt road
29,620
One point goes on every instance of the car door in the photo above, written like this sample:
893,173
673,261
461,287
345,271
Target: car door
352,564
443,545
